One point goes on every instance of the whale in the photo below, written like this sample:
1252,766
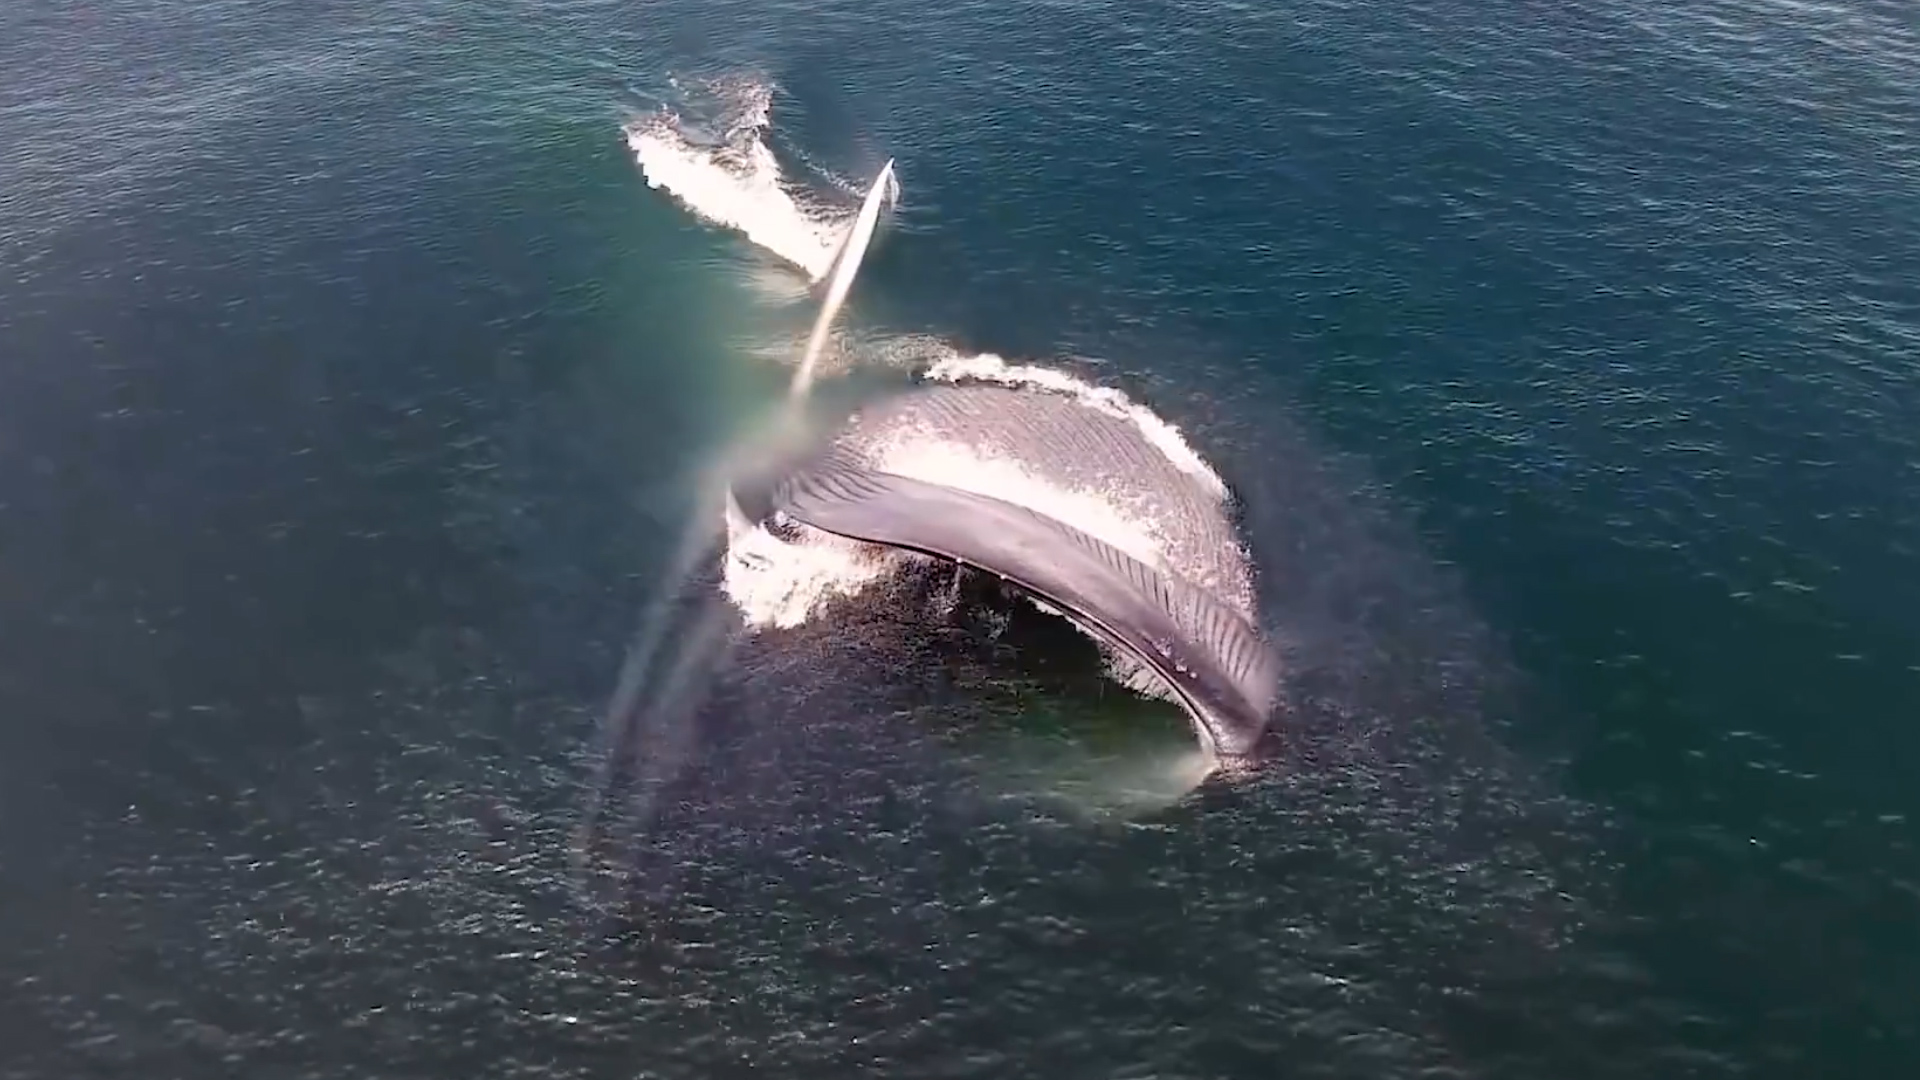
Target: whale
1175,623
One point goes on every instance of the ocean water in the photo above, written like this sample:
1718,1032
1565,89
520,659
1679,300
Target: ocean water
364,375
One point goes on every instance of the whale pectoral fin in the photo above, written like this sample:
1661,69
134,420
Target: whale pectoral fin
821,283
1213,660
885,192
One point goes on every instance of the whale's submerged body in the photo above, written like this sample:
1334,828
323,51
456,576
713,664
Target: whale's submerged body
984,475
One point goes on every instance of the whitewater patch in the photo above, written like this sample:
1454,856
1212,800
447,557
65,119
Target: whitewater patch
780,583
737,182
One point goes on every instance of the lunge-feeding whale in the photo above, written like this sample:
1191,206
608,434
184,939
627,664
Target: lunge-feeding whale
1072,502
985,475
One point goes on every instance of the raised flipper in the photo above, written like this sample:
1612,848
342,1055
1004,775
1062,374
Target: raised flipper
883,192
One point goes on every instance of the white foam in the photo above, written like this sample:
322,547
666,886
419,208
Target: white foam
738,183
1165,437
776,583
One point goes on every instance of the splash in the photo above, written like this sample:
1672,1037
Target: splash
776,582
735,180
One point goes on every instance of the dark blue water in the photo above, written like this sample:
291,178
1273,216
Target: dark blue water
354,388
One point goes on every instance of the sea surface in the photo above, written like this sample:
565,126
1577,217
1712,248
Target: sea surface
381,694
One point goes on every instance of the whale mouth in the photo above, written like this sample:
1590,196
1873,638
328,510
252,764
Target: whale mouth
1211,659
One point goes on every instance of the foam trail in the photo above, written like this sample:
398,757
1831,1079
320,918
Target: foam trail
844,269
736,182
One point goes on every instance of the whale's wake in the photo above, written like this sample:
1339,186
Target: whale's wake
722,169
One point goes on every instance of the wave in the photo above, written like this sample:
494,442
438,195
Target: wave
776,582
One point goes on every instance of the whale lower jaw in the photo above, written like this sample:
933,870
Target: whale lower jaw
1217,666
